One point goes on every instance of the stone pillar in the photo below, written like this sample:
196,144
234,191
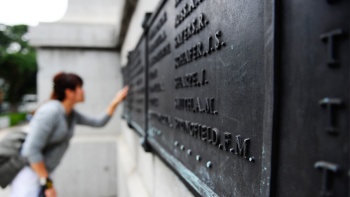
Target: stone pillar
84,42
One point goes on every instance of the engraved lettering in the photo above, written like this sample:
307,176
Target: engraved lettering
242,147
204,132
329,37
158,87
210,48
154,102
140,91
162,118
212,136
327,168
227,137
209,106
140,100
204,81
158,26
189,80
331,104
196,52
134,62
157,42
138,110
139,81
202,22
195,105
186,11
215,136
161,54
138,72
197,25
198,106
153,74
217,36
187,57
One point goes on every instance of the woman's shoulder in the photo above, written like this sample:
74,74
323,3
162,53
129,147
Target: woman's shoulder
50,107
48,113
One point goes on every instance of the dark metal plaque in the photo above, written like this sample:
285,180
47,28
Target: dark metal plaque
209,94
246,98
312,130
134,75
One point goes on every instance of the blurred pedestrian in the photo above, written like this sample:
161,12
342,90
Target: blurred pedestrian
51,129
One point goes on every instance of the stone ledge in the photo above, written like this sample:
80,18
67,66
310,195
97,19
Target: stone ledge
74,35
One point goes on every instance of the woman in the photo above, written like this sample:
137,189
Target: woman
51,129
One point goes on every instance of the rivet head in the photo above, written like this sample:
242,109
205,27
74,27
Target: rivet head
189,152
182,147
176,143
251,159
198,157
209,165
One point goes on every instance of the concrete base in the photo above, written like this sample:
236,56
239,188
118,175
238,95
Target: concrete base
89,168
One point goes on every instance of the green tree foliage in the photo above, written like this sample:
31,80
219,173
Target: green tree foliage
18,65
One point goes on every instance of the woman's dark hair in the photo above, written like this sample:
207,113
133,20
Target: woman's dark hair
63,81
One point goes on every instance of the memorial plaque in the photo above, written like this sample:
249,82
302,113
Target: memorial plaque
246,98
134,74
208,90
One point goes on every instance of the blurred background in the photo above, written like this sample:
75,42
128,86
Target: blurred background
18,61
92,38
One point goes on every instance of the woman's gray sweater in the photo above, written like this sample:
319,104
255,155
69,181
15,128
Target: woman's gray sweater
51,131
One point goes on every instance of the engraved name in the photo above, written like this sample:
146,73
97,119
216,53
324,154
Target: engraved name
159,40
158,87
154,102
206,133
138,72
191,80
213,136
140,90
139,101
139,81
161,118
134,60
197,51
161,54
158,26
196,105
196,26
186,11
153,74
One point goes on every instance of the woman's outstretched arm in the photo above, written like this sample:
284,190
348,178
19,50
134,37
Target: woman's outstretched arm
100,121
119,97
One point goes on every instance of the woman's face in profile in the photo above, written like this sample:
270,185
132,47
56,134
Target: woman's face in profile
79,95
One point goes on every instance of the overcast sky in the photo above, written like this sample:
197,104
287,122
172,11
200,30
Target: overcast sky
31,12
